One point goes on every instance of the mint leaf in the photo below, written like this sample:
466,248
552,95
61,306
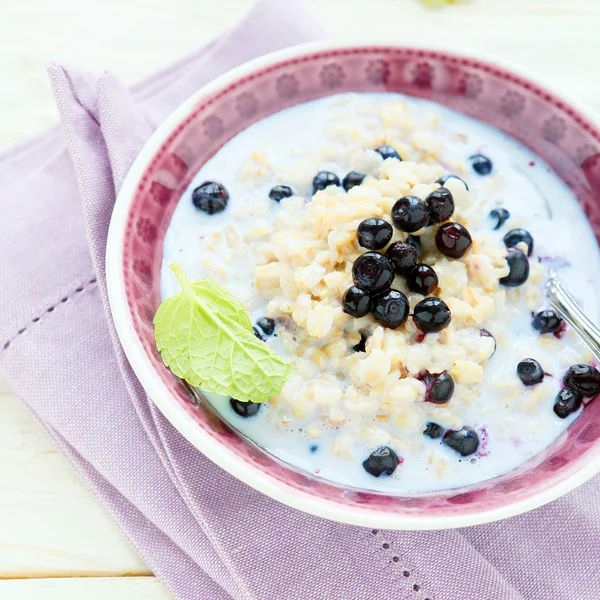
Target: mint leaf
205,337
222,302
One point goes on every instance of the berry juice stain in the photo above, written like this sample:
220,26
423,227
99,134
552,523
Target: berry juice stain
561,332
484,436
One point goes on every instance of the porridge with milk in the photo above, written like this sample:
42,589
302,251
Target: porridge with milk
395,253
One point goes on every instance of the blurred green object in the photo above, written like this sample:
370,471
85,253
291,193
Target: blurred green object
437,3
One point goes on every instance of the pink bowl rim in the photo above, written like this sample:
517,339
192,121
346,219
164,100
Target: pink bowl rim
176,414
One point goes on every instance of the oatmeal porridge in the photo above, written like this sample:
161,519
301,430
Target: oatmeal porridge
395,252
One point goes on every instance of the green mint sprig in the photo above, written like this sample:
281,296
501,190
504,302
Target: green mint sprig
438,3
205,337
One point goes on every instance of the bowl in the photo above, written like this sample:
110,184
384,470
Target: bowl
562,132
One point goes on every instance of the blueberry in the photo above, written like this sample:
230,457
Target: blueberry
422,279
530,371
441,205
258,334
518,269
442,180
356,302
387,152
352,180
415,242
410,214
547,321
362,345
567,402
373,272
313,448
465,441
433,430
431,315
374,233
439,387
516,236
380,461
403,256
324,179
486,333
210,197
481,164
499,216
244,409
266,324
453,240
279,192
390,309
583,379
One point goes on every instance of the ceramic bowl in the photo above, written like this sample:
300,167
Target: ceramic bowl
563,133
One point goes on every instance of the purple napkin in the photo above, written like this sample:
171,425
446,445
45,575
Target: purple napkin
205,534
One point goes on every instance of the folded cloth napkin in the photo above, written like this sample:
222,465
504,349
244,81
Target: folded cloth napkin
206,535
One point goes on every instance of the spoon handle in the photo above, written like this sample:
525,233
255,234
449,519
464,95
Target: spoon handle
562,302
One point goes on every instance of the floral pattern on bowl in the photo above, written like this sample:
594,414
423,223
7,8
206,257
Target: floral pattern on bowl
561,135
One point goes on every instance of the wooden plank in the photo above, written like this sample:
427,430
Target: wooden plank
49,523
115,588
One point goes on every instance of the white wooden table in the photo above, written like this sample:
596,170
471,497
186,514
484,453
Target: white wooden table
55,541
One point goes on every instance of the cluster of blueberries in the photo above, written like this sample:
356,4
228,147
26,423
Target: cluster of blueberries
384,459
374,272
580,381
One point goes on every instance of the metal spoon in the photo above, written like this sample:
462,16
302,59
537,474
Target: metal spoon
566,307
